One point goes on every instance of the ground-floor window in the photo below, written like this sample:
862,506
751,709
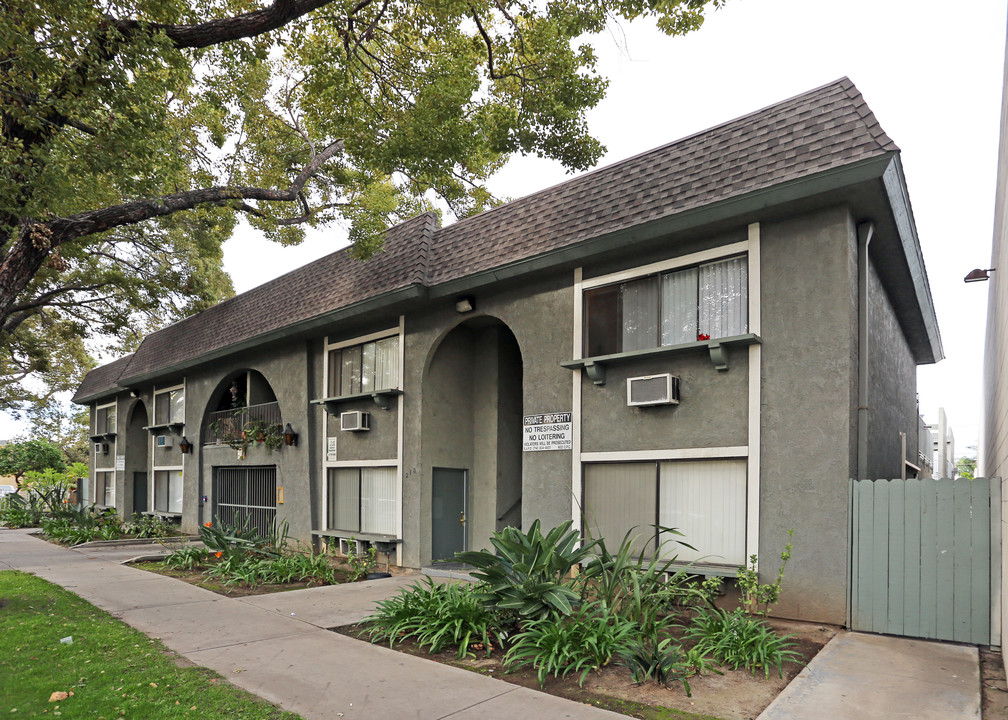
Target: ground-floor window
168,491
246,497
361,500
104,488
705,500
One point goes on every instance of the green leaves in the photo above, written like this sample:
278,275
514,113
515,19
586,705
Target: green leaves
527,572
738,641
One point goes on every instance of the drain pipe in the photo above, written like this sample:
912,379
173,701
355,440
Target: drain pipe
865,232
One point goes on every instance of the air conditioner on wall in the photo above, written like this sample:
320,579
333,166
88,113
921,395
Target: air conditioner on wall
101,448
355,421
660,389
163,441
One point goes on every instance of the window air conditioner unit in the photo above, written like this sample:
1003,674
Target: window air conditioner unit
163,441
652,390
355,421
101,448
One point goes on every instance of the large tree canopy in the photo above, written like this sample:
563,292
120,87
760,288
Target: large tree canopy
135,131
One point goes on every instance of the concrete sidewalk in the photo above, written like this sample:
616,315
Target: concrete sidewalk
277,646
877,677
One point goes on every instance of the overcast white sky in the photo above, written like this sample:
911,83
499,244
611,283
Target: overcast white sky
932,76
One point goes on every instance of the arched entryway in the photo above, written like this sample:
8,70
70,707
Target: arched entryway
472,436
137,499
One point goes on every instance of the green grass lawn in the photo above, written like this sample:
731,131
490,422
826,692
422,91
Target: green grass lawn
112,670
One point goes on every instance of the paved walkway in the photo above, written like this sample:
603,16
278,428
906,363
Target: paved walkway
277,646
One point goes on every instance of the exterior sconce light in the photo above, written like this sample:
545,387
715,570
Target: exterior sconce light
185,446
464,304
289,436
978,275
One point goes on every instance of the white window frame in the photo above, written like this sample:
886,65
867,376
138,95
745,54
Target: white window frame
94,422
94,488
395,462
704,257
150,489
328,347
751,249
162,391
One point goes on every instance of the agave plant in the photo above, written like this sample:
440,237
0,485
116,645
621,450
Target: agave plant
527,573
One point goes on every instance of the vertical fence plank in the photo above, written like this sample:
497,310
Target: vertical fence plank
894,564
980,516
929,560
912,557
866,504
961,566
880,557
996,579
852,539
945,550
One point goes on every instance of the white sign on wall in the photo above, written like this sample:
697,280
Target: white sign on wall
120,462
331,449
550,431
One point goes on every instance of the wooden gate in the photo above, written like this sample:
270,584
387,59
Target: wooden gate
921,562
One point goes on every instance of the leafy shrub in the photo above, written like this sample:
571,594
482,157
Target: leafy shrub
738,641
242,540
582,642
16,512
436,616
237,568
189,557
299,566
148,526
757,598
76,525
527,573
665,662
634,586
361,563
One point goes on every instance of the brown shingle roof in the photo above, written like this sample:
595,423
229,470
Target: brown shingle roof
818,130
327,284
101,381
822,129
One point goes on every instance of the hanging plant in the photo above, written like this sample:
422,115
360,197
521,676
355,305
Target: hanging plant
239,433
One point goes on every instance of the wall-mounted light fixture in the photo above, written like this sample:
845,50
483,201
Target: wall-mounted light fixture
464,304
978,275
289,436
185,446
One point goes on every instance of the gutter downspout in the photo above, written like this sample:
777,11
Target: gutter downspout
865,232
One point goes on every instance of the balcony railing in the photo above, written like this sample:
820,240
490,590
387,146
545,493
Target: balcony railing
226,426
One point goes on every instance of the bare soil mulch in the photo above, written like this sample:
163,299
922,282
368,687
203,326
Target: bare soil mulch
735,695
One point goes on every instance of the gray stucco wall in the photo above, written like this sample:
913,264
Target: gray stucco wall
539,314
809,306
892,388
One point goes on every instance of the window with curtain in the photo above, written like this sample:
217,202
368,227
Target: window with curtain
368,367
168,491
362,500
169,407
105,488
681,306
105,420
705,500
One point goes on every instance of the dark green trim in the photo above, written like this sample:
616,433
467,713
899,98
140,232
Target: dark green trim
411,292
748,204
595,366
382,398
899,201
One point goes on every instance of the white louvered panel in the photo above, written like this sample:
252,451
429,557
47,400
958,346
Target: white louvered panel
344,499
679,307
619,497
378,500
706,502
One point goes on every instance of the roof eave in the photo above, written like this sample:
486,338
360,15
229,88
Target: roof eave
747,204
410,292
899,202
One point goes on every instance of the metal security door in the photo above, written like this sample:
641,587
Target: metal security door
448,520
925,557
245,496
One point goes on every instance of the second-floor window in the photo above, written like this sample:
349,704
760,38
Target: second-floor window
169,406
685,305
367,367
105,420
